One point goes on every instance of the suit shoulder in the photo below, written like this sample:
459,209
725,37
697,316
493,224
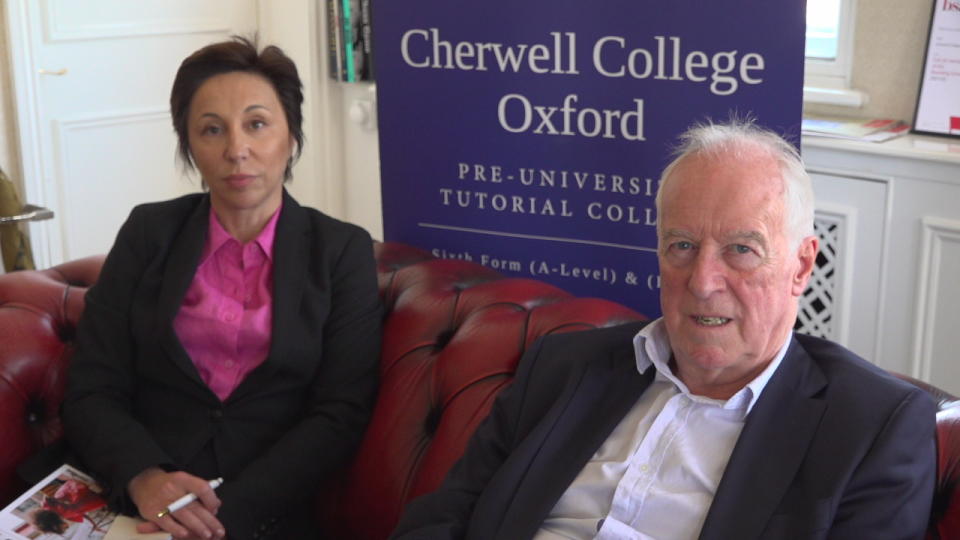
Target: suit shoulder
854,379
596,338
557,361
179,206
159,222
163,219
569,349
332,228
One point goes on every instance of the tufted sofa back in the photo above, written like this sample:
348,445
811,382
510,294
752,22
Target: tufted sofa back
453,334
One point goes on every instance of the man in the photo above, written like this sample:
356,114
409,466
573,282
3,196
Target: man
716,421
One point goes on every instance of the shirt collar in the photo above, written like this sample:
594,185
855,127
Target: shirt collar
652,348
217,236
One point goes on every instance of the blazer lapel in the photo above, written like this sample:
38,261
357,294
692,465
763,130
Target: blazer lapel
579,425
290,263
771,447
178,272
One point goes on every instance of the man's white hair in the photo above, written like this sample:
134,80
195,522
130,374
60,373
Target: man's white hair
733,138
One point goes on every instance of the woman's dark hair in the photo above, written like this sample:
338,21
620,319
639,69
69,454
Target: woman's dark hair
237,54
49,521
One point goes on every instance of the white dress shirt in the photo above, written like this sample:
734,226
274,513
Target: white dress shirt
656,474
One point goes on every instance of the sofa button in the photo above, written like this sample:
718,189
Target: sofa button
216,414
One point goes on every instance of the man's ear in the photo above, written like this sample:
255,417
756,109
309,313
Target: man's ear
807,258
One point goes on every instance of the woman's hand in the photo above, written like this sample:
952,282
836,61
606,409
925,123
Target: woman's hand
153,489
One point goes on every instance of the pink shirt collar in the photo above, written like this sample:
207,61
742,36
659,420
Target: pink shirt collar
217,236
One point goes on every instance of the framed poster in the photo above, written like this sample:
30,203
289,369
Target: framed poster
938,104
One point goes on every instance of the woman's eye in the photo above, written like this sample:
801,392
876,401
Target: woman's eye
257,124
210,130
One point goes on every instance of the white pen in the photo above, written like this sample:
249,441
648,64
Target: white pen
187,499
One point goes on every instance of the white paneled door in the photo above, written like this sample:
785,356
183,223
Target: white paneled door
92,81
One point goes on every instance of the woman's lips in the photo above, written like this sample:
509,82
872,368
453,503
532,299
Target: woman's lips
239,180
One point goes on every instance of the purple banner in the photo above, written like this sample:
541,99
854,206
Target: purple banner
529,136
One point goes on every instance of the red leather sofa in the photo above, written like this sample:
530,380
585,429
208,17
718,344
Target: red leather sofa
453,334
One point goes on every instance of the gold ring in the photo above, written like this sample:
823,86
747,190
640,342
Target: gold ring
161,514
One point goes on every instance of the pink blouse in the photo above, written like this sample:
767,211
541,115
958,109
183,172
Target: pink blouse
224,320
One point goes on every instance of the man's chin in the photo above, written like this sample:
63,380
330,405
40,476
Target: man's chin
704,357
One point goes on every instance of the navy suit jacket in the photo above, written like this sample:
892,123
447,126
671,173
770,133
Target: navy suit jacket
833,448
135,400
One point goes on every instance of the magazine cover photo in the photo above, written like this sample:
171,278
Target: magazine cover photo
67,504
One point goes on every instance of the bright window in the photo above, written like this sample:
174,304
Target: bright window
823,29
829,52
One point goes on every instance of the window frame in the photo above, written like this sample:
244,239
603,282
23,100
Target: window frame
828,81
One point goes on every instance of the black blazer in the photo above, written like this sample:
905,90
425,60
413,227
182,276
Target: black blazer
834,447
134,398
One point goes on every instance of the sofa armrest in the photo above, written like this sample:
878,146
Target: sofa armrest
39,311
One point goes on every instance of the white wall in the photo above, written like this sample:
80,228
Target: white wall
339,171
294,25
291,25
361,157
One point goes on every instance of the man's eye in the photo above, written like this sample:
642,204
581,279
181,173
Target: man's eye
683,245
741,249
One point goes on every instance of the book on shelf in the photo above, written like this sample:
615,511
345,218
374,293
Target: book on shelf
350,40
67,504
872,130
347,19
365,72
334,40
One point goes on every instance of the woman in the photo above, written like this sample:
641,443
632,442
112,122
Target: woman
232,333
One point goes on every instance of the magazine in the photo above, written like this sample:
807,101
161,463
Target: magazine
67,504
875,130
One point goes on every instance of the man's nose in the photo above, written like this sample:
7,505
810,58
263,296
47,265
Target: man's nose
707,275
